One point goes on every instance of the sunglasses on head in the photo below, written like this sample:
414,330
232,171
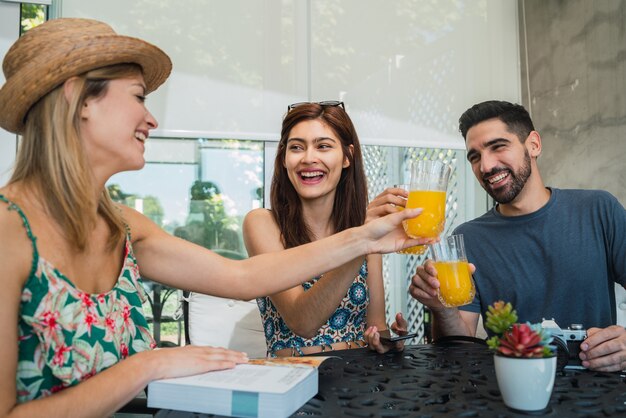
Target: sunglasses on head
324,103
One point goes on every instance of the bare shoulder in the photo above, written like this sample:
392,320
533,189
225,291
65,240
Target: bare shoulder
16,248
141,227
259,220
261,233
259,215
11,224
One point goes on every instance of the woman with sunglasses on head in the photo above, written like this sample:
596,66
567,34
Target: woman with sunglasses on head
71,319
318,189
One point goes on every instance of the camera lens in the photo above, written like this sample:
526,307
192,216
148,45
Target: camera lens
562,354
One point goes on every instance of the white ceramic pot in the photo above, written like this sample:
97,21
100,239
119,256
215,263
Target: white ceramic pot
525,383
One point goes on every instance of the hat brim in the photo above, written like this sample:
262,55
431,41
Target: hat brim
24,89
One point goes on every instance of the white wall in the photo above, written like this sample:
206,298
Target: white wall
9,32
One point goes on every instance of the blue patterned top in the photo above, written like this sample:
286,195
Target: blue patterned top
347,323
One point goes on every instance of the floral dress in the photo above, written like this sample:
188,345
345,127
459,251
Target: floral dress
347,323
66,335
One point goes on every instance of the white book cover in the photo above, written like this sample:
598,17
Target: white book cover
271,388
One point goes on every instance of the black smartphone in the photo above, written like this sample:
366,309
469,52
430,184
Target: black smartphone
395,338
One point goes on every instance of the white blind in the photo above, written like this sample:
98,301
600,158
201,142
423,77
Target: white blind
405,69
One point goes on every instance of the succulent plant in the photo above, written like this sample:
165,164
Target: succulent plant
513,339
500,317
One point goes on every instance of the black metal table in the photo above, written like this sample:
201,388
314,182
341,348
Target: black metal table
451,380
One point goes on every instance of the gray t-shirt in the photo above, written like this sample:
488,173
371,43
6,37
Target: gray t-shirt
559,262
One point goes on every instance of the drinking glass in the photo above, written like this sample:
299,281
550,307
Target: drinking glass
417,249
456,286
427,190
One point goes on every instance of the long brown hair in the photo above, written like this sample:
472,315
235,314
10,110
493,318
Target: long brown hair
51,158
351,196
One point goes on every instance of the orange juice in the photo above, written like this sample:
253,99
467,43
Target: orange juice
456,286
430,223
417,250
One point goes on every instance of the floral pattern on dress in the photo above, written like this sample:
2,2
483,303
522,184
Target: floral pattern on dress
347,323
66,335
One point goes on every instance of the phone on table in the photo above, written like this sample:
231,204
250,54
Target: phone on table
393,338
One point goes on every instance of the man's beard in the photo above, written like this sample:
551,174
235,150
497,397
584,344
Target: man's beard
518,180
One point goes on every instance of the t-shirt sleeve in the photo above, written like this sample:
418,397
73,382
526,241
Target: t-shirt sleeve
617,239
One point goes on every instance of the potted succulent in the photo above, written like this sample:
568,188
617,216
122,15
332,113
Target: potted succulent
525,363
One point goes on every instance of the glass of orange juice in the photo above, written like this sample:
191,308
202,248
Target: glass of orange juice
417,249
456,286
429,181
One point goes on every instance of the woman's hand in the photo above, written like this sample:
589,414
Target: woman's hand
192,359
386,234
372,336
389,201
383,222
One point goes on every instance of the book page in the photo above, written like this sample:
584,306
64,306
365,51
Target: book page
291,361
248,377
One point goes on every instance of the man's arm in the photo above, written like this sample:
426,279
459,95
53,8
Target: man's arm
452,321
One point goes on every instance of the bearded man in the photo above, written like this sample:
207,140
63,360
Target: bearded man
552,253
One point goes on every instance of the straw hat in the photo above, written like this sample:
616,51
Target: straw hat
58,49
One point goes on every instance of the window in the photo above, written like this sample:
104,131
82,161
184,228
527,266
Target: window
31,15
199,190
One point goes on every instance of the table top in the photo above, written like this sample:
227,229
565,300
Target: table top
453,379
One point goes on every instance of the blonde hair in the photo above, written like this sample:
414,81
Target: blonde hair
52,158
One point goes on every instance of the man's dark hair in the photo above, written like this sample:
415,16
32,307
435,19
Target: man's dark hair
514,116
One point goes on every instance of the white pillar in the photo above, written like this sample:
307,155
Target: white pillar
9,32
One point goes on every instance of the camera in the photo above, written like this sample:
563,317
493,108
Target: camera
567,342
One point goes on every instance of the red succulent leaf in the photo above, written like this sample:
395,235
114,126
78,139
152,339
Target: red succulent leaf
521,341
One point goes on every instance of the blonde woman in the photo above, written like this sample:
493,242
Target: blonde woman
75,341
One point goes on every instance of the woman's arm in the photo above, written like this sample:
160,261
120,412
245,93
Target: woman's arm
376,308
15,264
184,265
303,312
107,391
376,318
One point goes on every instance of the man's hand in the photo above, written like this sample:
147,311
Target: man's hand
425,285
604,350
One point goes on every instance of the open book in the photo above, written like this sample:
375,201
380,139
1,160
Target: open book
272,388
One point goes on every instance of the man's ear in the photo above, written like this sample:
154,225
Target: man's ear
346,160
533,144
